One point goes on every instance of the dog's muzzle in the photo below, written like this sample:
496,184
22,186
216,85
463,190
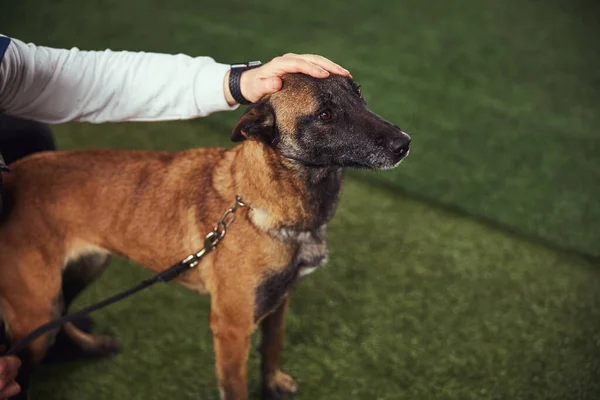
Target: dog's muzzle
400,144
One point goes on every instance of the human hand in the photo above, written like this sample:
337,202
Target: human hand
266,79
9,367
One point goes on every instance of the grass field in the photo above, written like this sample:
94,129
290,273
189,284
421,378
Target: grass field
471,272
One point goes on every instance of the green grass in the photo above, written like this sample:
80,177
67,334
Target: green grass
420,300
415,303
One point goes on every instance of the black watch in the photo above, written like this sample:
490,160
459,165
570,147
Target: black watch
234,79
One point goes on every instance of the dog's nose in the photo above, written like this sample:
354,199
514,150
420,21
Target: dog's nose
400,144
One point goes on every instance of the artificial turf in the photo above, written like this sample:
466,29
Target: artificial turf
415,303
446,279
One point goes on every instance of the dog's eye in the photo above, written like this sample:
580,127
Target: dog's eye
325,115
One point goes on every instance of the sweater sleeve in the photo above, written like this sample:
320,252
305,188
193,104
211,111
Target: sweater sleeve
56,85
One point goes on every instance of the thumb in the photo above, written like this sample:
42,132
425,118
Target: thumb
264,87
272,85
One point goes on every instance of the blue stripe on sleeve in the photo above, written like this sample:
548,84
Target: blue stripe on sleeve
4,42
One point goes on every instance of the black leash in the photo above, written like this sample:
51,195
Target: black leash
210,242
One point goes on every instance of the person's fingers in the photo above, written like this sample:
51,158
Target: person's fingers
11,390
9,367
265,80
293,64
323,62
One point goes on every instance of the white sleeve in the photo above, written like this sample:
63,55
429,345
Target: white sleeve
55,85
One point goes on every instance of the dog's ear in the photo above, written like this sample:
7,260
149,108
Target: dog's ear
258,123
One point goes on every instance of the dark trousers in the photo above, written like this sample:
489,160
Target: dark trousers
19,138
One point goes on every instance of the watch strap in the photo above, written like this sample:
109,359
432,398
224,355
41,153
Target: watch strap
235,75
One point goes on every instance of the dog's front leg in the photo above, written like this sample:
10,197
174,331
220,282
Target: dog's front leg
232,325
275,384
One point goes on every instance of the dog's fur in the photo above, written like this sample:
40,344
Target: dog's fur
69,210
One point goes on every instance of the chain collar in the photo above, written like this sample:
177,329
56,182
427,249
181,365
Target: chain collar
216,235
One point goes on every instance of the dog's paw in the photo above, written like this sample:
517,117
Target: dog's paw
279,386
94,346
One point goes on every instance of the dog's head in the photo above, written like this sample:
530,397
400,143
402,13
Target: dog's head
323,123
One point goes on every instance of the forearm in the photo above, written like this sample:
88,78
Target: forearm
54,86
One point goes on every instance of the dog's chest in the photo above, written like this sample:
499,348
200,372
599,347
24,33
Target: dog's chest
310,252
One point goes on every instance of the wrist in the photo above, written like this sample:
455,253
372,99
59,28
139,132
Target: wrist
239,84
228,97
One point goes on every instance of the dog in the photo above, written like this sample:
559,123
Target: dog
67,211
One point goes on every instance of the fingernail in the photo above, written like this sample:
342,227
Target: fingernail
274,84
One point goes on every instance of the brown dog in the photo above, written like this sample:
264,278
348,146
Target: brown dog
69,210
